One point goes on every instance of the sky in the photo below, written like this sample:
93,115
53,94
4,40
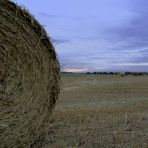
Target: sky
95,35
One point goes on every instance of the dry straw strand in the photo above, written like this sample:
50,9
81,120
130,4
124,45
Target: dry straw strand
29,78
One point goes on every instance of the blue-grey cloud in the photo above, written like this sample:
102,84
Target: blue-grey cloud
46,15
60,41
98,35
135,32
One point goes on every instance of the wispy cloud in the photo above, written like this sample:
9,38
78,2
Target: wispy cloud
60,41
131,64
74,70
47,15
100,35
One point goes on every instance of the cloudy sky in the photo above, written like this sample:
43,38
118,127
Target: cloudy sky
96,35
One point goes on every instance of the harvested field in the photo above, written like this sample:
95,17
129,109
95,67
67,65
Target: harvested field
100,111
29,78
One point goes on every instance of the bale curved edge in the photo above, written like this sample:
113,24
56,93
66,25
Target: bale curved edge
29,77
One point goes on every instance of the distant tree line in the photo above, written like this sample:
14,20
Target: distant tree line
119,73
111,73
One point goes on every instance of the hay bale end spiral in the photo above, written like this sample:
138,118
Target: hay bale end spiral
29,77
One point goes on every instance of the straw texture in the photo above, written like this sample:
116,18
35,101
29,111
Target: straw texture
29,78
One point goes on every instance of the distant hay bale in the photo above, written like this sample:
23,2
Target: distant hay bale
29,78
122,74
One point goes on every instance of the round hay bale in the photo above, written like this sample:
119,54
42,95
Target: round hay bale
29,78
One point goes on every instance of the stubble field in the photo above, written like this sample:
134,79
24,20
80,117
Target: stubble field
100,111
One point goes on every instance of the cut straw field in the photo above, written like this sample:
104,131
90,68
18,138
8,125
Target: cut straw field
101,111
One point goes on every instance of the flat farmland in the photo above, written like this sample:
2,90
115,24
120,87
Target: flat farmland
96,111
